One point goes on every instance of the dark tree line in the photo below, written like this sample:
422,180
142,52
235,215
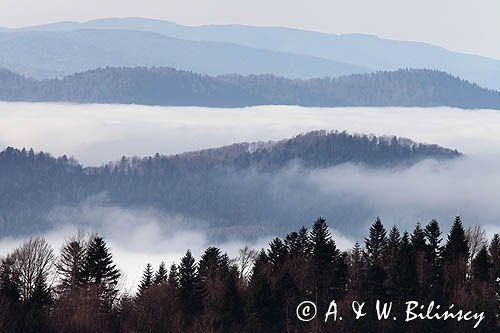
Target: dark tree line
77,292
167,86
214,294
206,184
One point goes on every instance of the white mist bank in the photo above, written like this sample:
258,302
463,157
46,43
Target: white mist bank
98,133
140,236
349,196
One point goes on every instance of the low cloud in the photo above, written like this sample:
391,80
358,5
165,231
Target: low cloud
97,134
140,236
467,187
349,196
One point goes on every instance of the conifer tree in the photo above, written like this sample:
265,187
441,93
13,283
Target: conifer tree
434,256
147,279
457,246
161,275
303,241
70,267
418,238
392,262
494,250
407,268
262,310
356,270
328,267
41,293
100,271
376,243
422,262
233,313
212,267
324,252
292,243
456,255
277,253
394,241
217,291
433,237
9,282
188,280
481,266
173,276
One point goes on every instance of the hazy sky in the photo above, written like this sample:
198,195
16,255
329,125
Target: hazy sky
470,26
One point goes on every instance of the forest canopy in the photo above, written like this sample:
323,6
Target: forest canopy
259,291
168,86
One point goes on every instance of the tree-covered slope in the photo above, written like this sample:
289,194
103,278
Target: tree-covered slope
366,51
166,86
222,186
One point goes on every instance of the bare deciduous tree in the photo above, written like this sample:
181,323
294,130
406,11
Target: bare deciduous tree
476,237
245,262
33,261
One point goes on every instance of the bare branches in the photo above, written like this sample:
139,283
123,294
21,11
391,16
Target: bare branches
245,262
33,261
476,237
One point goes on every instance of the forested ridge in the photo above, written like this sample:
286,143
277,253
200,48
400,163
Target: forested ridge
259,290
64,48
167,86
212,184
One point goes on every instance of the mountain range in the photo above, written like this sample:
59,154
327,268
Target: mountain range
66,47
44,54
167,86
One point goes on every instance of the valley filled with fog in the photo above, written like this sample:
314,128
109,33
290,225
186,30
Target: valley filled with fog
97,134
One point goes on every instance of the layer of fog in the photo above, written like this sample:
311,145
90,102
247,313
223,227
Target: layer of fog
349,196
352,196
95,134
137,237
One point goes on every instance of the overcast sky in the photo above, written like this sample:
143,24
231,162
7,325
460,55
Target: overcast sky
470,26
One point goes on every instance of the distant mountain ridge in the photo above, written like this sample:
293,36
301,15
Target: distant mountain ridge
43,54
219,185
366,51
167,86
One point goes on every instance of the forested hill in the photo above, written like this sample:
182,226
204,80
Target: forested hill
223,186
315,149
167,86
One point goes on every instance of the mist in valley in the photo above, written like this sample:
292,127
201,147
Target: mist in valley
349,196
96,134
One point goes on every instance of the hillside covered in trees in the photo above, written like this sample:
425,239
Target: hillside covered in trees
228,186
167,86
262,290
64,48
